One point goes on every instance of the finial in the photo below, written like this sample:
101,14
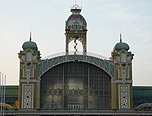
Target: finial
30,36
76,8
120,38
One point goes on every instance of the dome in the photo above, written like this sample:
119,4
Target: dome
77,17
122,45
29,44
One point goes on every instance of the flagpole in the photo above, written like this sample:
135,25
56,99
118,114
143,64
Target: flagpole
4,94
0,92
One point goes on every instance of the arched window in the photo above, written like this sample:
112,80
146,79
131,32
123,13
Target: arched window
76,86
123,57
28,56
76,25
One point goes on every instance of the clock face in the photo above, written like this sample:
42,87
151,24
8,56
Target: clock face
76,25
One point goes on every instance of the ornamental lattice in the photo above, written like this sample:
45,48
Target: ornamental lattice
75,86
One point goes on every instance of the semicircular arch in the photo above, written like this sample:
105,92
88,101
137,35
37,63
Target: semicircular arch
80,39
63,82
79,61
47,64
6,105
144,105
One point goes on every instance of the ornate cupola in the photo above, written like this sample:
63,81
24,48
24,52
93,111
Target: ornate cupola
122,81
28,82
76,28
121,46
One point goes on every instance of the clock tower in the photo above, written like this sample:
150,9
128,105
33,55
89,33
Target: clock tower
76,28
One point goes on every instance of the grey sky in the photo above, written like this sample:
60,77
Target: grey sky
105,18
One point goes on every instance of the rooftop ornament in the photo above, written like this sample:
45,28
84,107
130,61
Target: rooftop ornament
76,8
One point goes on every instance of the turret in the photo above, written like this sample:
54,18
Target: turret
122,82
28,81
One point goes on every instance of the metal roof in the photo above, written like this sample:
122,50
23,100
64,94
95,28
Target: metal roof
47,64
142,91
142,94
11,90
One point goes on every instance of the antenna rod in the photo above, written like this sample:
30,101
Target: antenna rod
1,90
120,38
1,94
30,36
4,94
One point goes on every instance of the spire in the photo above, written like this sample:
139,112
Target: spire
30,36
120,38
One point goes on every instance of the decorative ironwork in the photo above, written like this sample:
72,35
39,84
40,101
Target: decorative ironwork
27,96
100,61
75,47
124,96
76,86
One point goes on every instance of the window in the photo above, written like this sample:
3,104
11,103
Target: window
76,25
75,85
123,57
29,56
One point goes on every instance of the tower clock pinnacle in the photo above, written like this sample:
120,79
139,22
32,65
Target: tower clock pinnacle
76,28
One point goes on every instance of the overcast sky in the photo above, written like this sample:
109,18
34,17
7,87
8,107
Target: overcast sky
105,18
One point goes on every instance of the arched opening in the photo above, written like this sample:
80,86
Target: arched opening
145,107
77,86
73,46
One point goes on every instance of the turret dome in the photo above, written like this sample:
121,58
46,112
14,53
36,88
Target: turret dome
121,45
29,44
76,21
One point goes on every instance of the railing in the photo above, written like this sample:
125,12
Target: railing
75,107
75,53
